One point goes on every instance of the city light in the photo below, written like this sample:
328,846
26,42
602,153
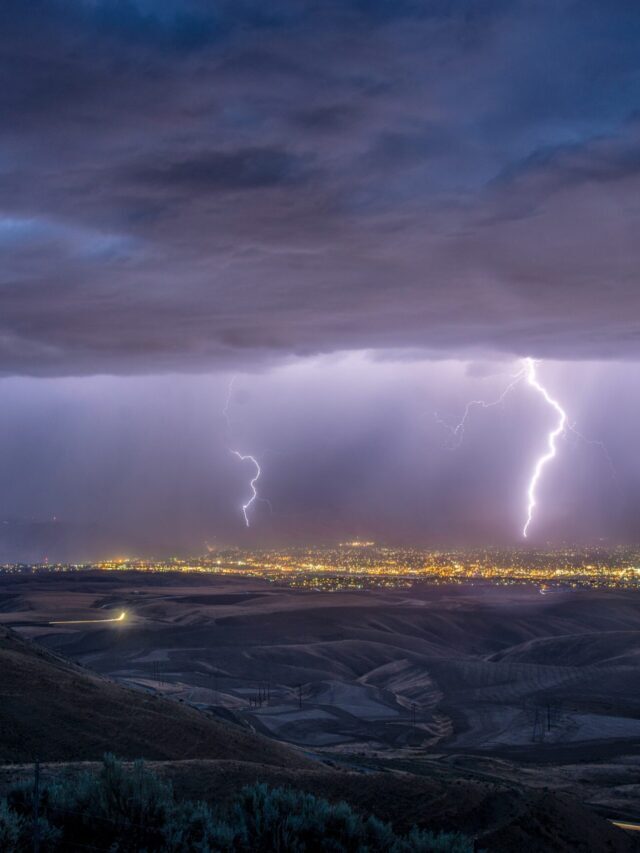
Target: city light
364,565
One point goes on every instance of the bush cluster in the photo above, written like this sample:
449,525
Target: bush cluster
131,809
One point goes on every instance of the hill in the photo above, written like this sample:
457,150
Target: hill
54,710
61,712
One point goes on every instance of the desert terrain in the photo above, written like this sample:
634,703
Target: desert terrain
498,687
501,671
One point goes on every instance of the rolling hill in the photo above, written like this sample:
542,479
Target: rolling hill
54,710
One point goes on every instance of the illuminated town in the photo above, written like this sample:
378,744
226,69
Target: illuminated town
365,565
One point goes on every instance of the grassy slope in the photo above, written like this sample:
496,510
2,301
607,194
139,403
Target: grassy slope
55,711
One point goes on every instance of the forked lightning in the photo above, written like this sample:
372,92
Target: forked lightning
254,480
553,436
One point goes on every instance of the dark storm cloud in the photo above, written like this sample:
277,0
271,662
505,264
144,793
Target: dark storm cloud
185,185
245,168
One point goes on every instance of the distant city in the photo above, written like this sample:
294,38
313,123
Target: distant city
365,565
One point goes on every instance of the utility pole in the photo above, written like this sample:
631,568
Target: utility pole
535,725
36,807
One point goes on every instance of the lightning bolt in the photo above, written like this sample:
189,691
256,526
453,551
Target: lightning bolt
457,432
530,367
528,372
227,403
243,457
594,442
254,480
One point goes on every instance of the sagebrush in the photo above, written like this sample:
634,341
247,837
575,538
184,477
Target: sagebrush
131,809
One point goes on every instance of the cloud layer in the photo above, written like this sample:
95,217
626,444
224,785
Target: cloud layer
185,186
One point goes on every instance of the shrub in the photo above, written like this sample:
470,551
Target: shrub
12,826
132,809
193,826
16,831
286,820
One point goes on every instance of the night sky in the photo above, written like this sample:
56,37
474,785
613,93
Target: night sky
366,212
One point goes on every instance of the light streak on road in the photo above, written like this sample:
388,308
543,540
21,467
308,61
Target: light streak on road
119,618
624,824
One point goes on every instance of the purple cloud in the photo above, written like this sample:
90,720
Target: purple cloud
208,188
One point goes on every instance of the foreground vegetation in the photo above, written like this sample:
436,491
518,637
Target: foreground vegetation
132,809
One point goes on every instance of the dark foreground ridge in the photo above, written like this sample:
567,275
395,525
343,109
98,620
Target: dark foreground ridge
53,710
60,713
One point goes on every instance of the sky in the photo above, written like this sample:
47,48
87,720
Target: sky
367,212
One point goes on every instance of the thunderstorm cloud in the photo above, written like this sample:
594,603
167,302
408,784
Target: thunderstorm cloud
196,185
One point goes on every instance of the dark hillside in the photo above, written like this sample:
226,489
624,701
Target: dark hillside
53,710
